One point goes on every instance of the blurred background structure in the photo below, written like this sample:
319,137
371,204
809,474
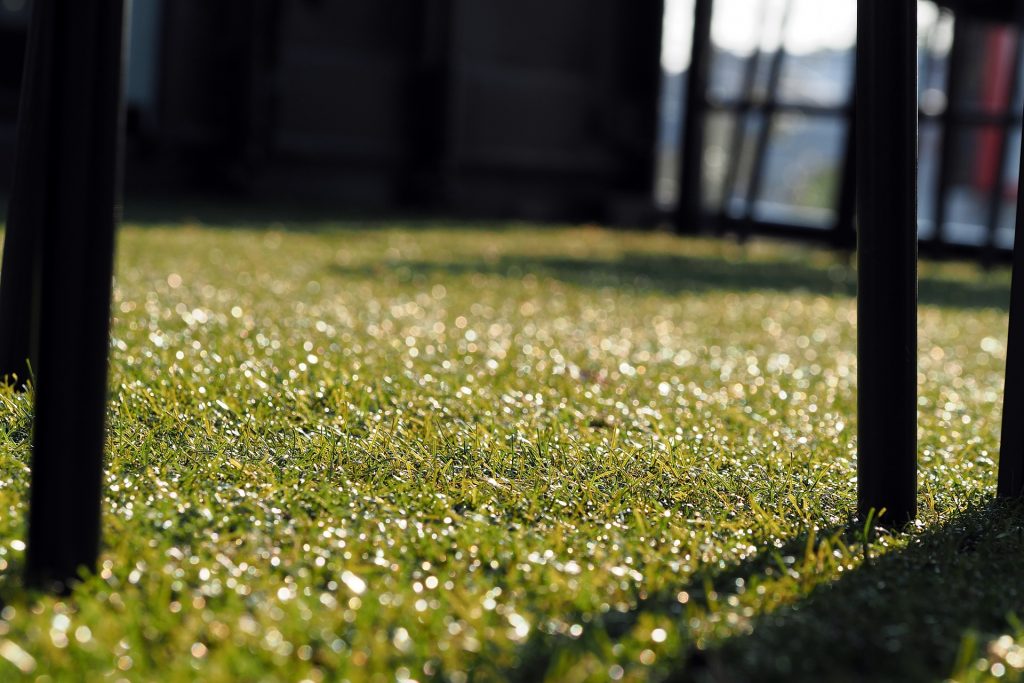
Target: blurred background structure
512,107
576,110
776,120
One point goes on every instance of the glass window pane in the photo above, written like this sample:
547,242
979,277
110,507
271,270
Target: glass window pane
930,159
676,51
671,118
972,175
774,23
818,67
741,31
935,32
1018,92
718,132
802,170
1008,191
677,35
986,71
742,165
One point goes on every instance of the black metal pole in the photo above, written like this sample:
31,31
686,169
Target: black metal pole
887,257
19,272
691,157
1011,447
74,96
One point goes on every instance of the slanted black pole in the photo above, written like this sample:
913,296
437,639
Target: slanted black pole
760,162
1011,447
886,138
690,210
65,196
744,116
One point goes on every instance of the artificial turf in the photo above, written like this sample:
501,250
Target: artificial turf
419,452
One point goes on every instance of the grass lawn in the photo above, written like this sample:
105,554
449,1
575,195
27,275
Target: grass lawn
416,452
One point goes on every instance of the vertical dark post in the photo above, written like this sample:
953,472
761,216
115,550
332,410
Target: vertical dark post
18,274
691,157
1011,447
887,258
69,166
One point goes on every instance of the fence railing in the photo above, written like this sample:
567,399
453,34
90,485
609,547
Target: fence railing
743,119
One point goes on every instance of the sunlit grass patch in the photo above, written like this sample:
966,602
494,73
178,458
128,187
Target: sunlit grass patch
425,452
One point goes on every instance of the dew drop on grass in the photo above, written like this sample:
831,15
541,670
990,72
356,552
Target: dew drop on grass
353,582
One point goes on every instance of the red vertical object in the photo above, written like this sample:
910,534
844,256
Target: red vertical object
1000,51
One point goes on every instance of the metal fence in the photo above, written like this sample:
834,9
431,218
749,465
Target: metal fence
767,136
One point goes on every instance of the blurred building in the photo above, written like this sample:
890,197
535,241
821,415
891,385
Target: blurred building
575,109
522,108
13,20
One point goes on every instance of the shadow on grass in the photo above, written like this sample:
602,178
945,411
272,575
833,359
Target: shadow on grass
658,272
676,274
902,616
298,217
